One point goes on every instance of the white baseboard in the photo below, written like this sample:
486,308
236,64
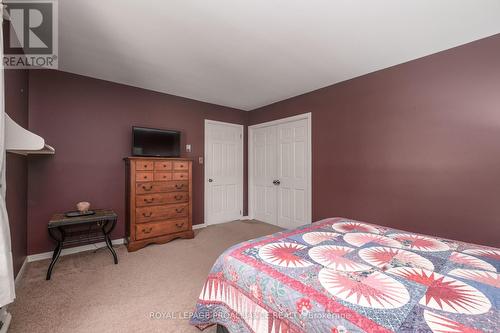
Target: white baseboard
72,250
21,271
199,226
242,218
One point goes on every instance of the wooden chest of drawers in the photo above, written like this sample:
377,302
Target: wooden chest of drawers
159,204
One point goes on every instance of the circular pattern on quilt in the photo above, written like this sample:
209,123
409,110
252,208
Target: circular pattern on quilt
382,257
284,254
375,290
467,260
485,253
315,238
445,293
420,243
359,239
352,226
333,256
489,278
440,324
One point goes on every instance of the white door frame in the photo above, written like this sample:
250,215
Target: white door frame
205,179
308,117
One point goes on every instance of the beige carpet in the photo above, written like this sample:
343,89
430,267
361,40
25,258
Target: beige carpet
88,293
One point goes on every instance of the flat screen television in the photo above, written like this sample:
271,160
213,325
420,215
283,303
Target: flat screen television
155,142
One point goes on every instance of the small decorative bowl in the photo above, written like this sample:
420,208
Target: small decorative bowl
83,206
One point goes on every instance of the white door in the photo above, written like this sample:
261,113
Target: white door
264,194
280,159
223,172
292,185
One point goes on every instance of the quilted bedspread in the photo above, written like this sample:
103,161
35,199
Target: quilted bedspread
339,275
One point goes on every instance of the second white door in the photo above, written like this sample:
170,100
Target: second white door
223,172
281,158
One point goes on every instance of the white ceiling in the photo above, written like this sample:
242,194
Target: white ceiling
247,54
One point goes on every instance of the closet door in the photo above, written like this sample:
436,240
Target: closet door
293,156
264,173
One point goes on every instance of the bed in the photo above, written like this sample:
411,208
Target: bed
339,275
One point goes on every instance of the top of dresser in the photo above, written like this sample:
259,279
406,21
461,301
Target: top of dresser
133,158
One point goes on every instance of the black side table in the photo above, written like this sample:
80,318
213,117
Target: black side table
60,230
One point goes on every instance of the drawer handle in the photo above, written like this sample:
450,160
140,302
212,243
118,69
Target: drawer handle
165,166
147,188
179,210
147,231
179,186
145,165
181,175
146,200
145,176
178,197
179,225
148,214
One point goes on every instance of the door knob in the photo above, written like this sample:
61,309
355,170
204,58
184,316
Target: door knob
210,180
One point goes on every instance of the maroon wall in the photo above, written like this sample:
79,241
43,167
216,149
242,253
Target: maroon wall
16,106
88,122
416,146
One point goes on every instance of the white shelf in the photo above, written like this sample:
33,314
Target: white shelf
19,140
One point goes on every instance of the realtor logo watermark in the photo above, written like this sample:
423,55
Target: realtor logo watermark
31,37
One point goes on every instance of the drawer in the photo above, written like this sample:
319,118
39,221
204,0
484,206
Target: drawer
154,213
181,165
144,165
161,228
160,198
165,165
142,176
161,175
180,176
156,187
